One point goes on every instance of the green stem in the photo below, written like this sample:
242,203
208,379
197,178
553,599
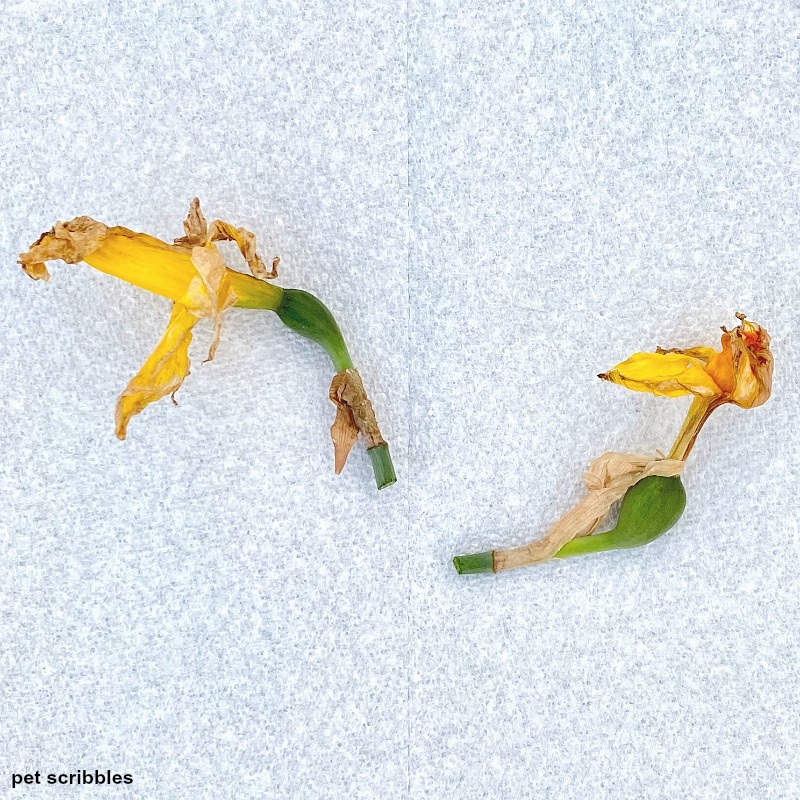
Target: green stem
310,317
649,508
253,292
699,412
382,465
583,545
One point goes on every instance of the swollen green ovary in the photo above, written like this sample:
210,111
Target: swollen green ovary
649,509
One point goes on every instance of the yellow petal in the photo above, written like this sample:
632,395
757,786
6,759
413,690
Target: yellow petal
145,262
137,258
150,263
162,373
668,374
704,354
207,295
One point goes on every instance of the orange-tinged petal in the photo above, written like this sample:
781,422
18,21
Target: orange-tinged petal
720,367
667,374
162,373
752,363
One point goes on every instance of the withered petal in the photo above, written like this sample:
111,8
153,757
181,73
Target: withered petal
69,241
162,373
668,374
194,225
210,294
220,231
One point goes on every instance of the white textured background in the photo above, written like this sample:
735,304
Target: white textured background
497,201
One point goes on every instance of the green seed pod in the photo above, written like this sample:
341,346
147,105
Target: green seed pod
649,508
310,317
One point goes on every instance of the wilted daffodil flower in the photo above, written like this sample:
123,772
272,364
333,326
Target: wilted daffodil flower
192,273
653,497
740,373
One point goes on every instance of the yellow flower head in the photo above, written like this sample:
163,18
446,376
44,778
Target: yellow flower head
740,373
191,272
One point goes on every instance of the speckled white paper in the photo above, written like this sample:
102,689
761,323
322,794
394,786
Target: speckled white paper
498,201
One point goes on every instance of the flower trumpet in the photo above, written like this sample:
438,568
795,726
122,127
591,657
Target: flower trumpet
193,274
740,373
653,497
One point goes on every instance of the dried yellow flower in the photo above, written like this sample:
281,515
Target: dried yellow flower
653,497
739,373
191,272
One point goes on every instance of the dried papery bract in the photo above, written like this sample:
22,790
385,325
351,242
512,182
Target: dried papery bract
607,479
650,487
193,274
354,415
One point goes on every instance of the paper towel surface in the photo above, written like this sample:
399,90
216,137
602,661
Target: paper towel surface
497,201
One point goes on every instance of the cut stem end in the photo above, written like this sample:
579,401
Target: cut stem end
474,563
382,465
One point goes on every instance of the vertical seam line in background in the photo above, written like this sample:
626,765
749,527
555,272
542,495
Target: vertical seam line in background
409,404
